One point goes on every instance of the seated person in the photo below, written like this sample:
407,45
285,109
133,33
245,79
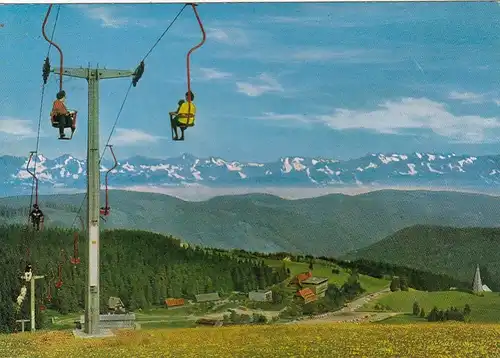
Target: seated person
184,116
28,274
36,216
61,114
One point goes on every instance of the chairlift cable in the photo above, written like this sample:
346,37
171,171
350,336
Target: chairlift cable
125,99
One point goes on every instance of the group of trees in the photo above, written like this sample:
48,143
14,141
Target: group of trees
243,318
8,212
437,315
141,268
335,298
417,279
399,283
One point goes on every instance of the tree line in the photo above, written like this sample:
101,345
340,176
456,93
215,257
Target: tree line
438,315
417,279
141,268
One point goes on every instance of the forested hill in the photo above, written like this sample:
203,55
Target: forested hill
445,250
330,225
141,268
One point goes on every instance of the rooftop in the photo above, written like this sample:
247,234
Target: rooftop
305,293
204,297
315,280
303,276
262,291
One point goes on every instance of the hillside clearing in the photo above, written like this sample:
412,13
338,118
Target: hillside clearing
484,309
377,341
370,284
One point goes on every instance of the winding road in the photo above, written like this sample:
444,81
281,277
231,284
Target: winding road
349,314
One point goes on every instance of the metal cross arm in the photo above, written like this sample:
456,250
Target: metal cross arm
87,72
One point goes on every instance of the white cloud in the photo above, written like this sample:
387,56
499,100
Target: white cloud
414,113
105,15
475,98
467,97
213,74
397,117
17,127
132,137
324,55
231,36
109,18
301,20
217,34
281,54
257,87
271,116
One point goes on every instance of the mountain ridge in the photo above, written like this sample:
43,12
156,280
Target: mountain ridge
330,225
377,170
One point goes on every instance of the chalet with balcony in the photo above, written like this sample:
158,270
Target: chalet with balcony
318,285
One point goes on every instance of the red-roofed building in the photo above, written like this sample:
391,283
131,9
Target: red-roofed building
301,277
171,302
307,295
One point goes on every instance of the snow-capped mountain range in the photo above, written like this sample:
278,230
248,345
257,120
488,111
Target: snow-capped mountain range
68,173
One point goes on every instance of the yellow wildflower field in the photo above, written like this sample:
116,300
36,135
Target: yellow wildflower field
322,340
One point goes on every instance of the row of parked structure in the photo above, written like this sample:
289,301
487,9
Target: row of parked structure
309,288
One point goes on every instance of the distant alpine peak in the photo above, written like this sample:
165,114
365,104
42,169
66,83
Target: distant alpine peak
378,169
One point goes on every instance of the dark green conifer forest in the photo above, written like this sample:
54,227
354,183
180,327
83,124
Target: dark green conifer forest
141,268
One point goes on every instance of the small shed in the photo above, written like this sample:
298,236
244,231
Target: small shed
207,297
261,295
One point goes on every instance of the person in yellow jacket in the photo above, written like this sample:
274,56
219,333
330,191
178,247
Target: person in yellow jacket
184,116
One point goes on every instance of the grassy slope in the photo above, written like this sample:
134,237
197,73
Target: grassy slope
348,340
370,284
161,318
451,251
328,225
484,309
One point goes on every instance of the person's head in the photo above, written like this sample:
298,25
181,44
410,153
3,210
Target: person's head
61,95
192,96
35,206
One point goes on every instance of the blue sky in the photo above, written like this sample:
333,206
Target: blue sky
332,80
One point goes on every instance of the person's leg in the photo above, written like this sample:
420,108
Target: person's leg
62,122
174,122
69,122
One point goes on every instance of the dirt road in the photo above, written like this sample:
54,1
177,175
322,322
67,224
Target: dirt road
349,314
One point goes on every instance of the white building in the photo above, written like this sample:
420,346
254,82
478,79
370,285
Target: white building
261,295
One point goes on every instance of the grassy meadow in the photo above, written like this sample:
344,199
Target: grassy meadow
370,284
484,308
452,340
